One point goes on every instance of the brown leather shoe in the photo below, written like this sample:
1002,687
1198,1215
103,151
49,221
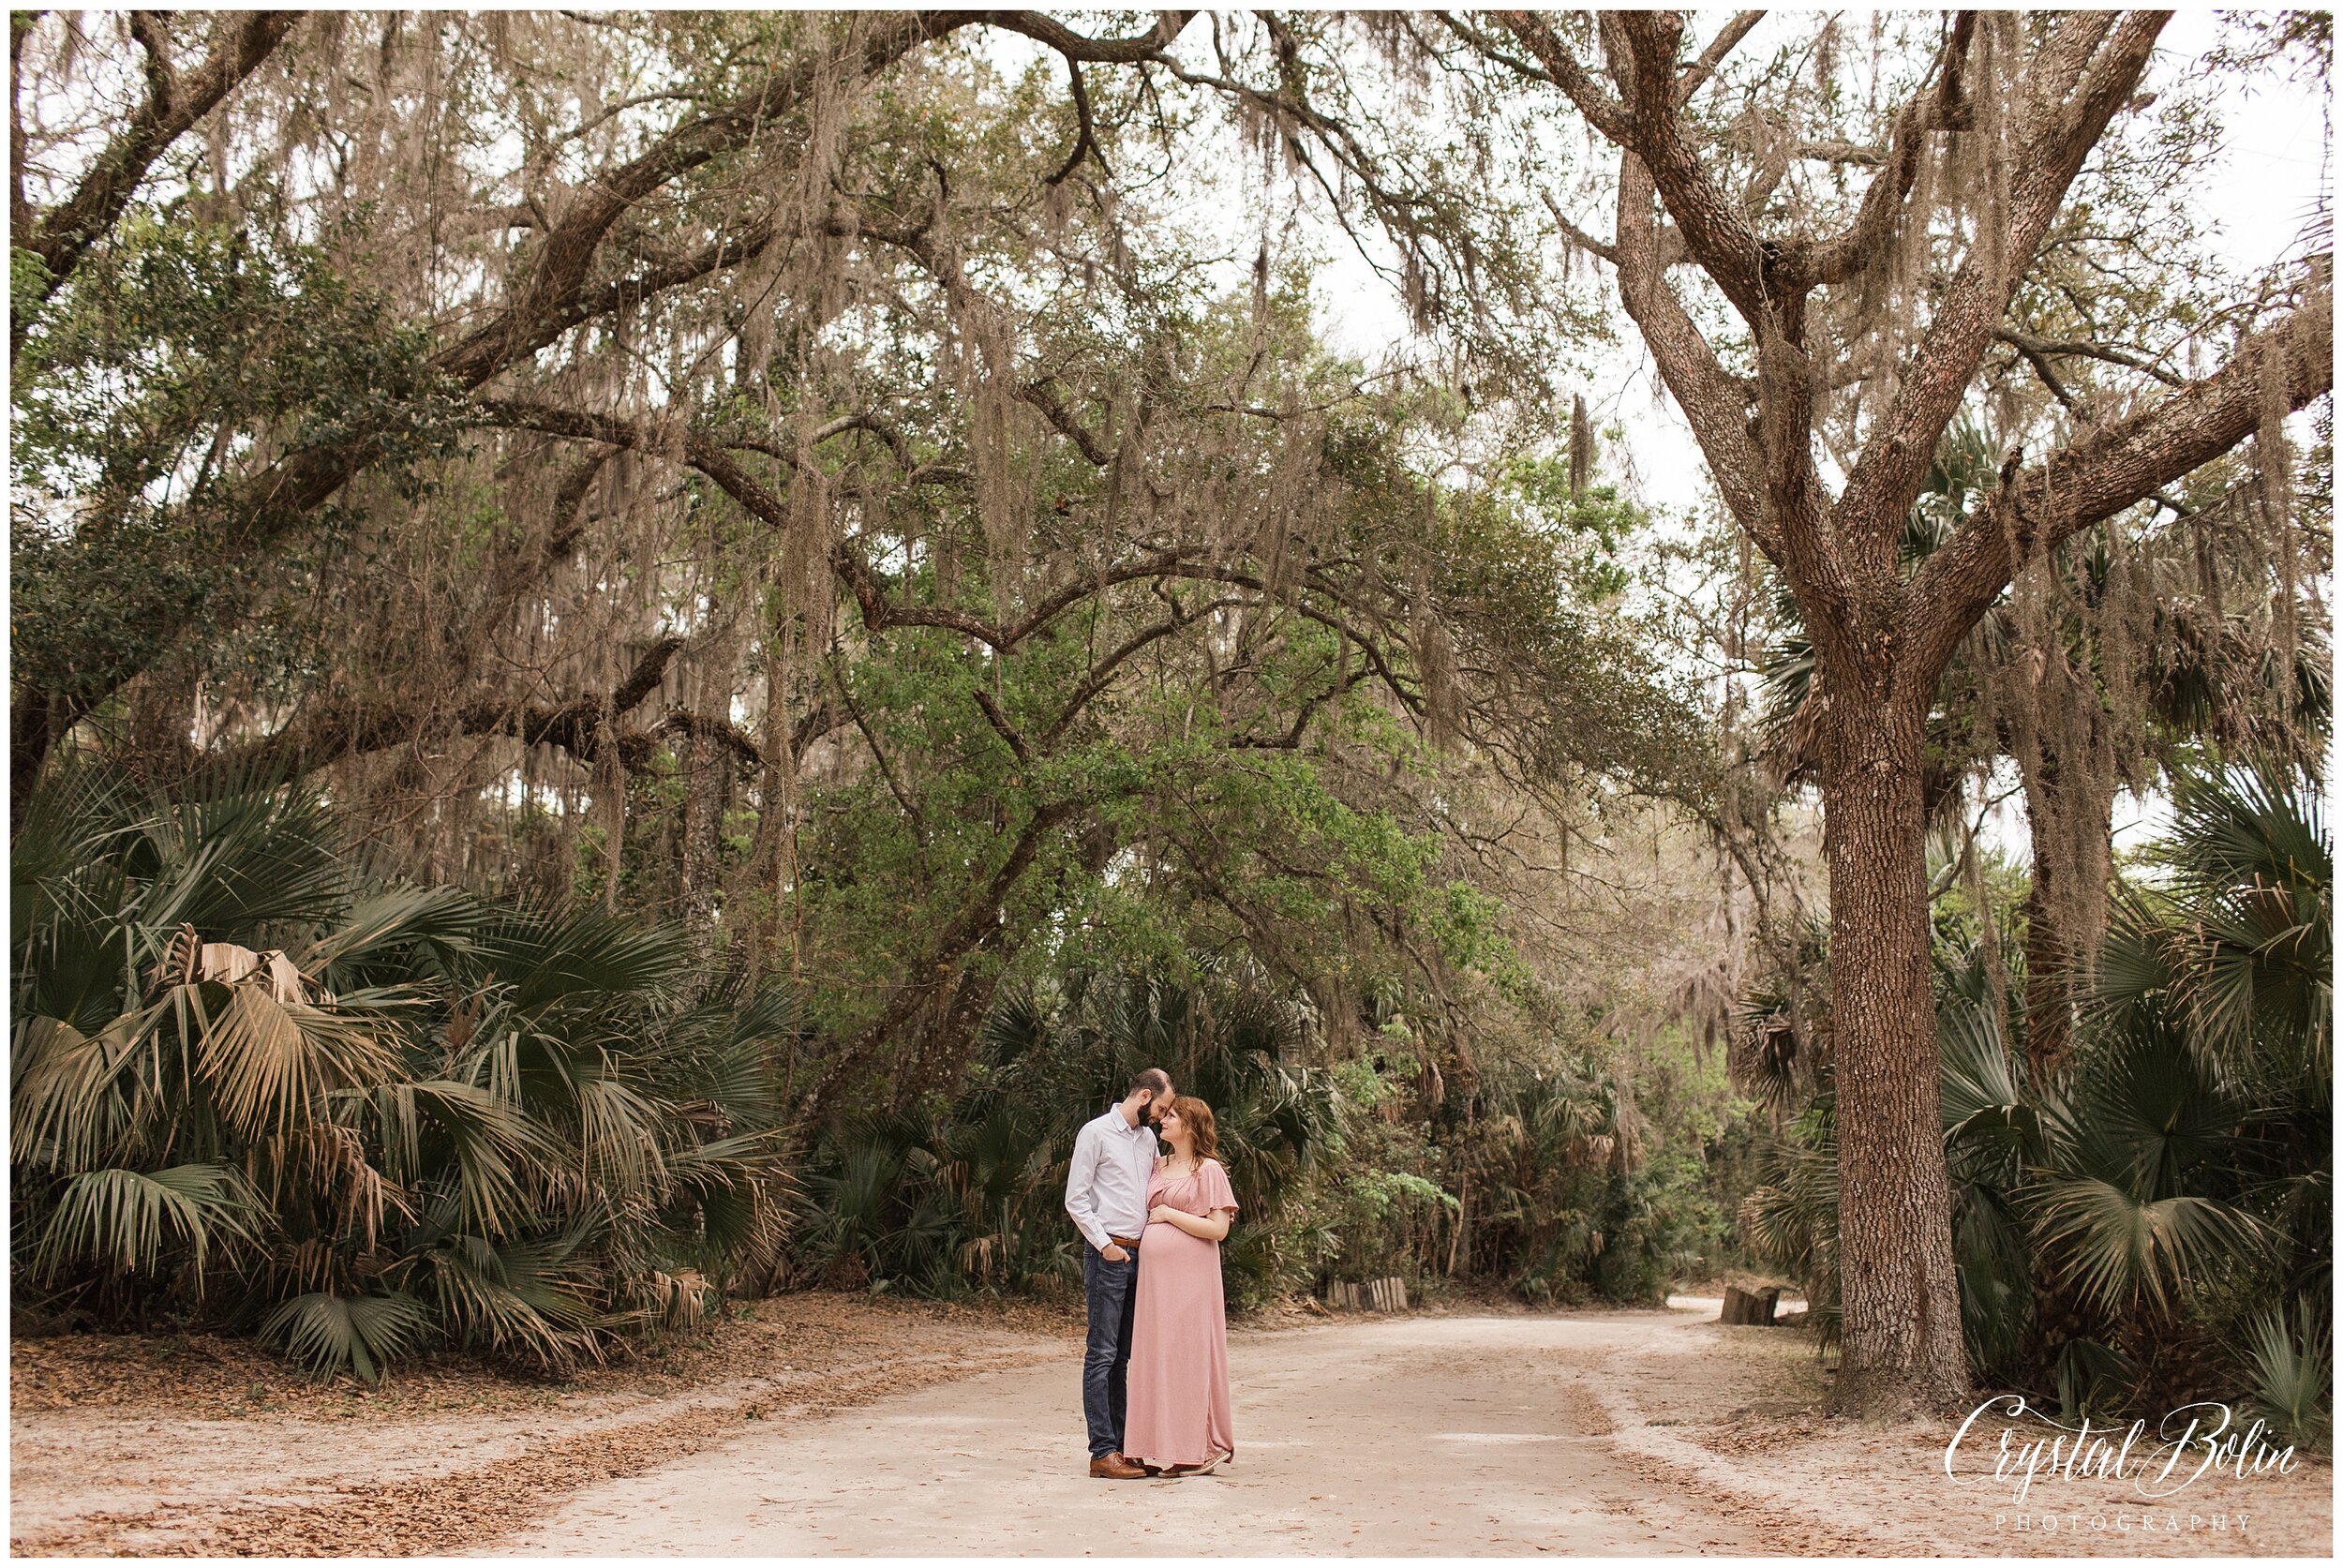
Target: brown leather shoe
1113,1467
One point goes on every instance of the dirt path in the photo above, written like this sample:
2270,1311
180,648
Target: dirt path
122,1446
829,1426
1590,1432
1406,1437
1627,1433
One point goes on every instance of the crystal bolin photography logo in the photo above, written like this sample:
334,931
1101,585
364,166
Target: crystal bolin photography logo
2188,1444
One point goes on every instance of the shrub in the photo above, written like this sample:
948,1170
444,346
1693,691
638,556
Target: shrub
251,1082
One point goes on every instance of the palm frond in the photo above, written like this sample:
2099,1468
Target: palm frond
617,1137
581,951
386,924
236,854
270,1063
510,1118
2092,1379
2288,1359
78,1099
489,1142
2120,1251
1982,1101
363,1334
514,1296
130,1222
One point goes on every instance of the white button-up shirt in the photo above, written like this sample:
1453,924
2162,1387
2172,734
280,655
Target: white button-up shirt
1106,1187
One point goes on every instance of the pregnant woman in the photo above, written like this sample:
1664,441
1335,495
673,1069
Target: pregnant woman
1179,1392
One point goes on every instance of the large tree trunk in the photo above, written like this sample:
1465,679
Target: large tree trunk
1893,635
1902,1322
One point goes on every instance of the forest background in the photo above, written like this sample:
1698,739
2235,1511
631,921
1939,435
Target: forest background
649,651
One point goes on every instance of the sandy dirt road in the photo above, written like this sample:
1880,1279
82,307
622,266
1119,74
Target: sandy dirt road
1412,1435
1611,1432
827,1425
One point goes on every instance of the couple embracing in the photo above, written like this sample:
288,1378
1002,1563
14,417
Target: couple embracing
1156,1369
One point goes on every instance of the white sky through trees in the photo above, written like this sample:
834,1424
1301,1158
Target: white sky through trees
2263,192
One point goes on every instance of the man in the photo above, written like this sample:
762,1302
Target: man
1106,1192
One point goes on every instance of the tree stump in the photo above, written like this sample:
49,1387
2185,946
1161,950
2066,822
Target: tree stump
1750,1306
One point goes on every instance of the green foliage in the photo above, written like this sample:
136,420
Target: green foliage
1792,1218
1522,1178
2288,1359
998,869
363,1334
1603,519
2121,1209
251,1081
28,283
178,359
2238,941
968,1193
1559,1197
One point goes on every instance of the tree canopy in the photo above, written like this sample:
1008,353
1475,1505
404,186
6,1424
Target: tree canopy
888,494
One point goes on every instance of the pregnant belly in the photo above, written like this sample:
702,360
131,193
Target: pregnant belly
1164,1237
1179,1279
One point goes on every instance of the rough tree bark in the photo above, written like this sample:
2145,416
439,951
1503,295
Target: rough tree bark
1895,1241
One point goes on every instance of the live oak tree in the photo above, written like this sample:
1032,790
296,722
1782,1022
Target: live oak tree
595,210
2128,656
810,455
2033,96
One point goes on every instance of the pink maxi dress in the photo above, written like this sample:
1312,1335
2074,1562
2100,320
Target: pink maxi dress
1179,1399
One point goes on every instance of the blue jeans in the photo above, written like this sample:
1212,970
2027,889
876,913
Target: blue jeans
1107,1290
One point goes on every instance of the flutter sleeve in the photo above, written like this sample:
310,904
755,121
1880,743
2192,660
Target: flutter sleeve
1214,1189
